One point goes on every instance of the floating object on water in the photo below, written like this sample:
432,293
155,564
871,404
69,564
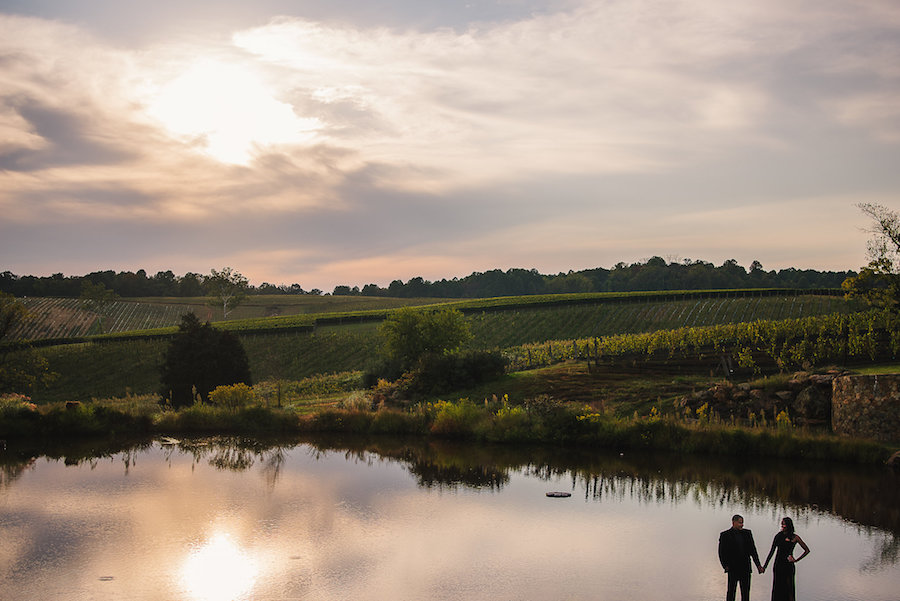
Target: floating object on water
559,494
106,578
165,440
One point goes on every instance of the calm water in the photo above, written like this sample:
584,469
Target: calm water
223,520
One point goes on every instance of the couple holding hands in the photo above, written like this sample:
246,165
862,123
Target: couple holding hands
736,548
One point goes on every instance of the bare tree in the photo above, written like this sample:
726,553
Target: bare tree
226,288
879,281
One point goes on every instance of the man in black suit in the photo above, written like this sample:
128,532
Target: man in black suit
736,547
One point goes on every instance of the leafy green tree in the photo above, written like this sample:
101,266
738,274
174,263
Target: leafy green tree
409,334
878,283
97,298
226,289
199,359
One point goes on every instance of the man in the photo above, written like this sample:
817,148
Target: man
736,547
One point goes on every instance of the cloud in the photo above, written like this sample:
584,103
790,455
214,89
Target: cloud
605,88
557,138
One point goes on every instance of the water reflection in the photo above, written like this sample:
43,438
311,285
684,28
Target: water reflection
219,570
236,518
237,454
864,495
868,496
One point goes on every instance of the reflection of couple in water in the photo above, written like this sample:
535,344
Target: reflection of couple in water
736,548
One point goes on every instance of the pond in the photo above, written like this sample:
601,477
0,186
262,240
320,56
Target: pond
234,519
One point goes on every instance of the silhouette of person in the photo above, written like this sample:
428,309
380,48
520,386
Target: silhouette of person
736,548
783,569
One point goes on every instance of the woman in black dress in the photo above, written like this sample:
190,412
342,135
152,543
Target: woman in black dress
783,569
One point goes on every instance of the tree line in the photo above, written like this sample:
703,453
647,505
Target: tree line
130,284
655,273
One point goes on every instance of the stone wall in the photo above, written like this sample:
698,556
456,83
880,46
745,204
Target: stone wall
805,397
866,406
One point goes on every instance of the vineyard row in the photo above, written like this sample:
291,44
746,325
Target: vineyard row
788,344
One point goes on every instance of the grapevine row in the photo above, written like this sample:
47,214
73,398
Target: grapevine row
788,344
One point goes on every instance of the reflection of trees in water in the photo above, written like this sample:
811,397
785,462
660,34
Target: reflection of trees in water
434,468
864,495
432,475
431,468
17,459
236,454
868,498
12,471
888,554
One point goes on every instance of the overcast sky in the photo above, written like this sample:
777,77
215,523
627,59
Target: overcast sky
326,142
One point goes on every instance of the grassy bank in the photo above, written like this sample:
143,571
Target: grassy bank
540,420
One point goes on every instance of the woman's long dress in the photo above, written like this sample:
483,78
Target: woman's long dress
783,571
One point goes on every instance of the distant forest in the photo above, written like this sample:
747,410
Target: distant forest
652,274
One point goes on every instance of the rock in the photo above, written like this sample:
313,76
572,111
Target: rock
785,396
866,406
795,385
702,396
821,379
722,394
894,461
799,381
758,394
813,403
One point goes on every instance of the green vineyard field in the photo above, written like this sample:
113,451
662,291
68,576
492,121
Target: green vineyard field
500,329
61,318
531,335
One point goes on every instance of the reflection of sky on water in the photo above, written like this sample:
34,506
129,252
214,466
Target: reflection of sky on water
218,570
318,526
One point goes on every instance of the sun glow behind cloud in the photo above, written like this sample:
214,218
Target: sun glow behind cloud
228,111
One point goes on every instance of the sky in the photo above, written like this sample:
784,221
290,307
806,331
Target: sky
348,142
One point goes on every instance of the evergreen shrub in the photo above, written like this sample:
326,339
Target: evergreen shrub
199,359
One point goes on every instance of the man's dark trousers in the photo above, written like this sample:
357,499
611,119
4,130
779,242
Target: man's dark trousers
735,578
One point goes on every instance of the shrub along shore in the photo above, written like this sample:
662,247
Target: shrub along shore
542,420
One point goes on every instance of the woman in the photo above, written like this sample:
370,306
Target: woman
783,569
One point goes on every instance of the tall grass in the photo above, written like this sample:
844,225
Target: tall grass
538,420
543,420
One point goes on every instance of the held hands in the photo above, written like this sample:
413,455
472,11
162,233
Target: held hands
760,568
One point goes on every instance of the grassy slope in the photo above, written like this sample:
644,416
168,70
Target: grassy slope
62,318
115,368
59,318
622,391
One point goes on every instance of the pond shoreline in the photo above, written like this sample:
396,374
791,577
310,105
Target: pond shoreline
553,424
